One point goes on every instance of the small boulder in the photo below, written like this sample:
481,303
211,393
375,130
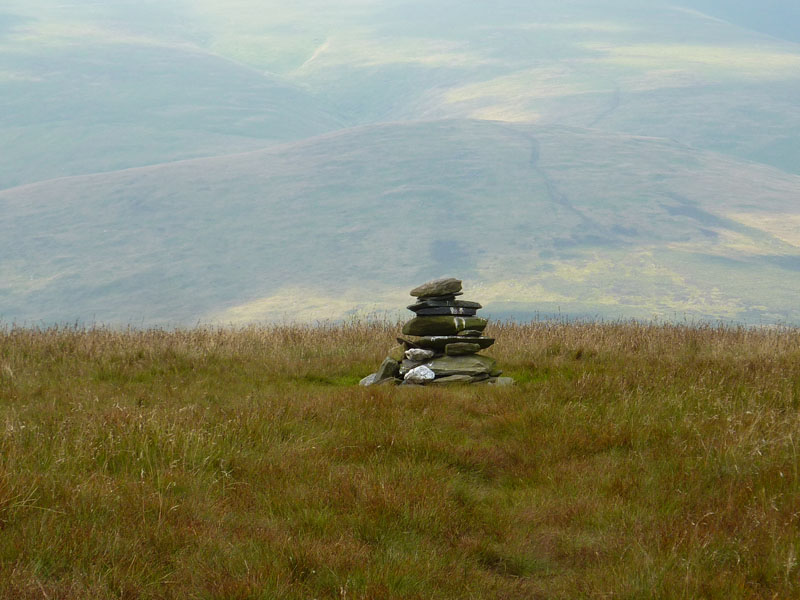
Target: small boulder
368,380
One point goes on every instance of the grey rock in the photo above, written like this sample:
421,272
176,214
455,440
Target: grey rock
442,325
438,342
419,354
473,364
435,303
421,375
451,379
368,380
388,381
438,287
389,368
461,349
503,381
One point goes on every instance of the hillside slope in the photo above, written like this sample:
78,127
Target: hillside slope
92,106
549,218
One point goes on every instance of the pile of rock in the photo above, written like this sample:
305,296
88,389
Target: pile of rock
442,344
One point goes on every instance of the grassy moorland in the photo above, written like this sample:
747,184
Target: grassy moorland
630,461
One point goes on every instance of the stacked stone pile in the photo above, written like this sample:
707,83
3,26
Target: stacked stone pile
442,344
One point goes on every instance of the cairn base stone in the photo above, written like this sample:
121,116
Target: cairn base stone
451,379
422,374
409,365
389,368
471,365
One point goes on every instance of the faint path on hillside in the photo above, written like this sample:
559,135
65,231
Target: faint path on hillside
556,195
615,102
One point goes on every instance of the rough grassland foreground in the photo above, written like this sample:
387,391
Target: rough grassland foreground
629,461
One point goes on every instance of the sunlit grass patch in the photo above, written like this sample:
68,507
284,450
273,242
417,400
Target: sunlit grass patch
709,60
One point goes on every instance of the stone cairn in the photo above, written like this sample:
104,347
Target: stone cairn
443,342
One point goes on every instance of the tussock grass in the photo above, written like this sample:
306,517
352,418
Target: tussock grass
630,461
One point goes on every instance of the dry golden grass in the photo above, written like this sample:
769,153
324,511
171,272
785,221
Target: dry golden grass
630,461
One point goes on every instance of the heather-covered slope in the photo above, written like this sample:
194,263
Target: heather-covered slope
83,95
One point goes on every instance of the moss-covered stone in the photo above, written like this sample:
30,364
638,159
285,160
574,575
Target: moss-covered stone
397,354
439,342
469,333
461,349
389,368
442,325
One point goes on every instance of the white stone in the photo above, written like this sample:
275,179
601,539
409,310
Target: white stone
420,375
419,354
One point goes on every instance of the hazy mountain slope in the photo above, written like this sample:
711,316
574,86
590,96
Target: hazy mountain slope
100,86
657,68
715,86
104,103
779,18
542,216
758,122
